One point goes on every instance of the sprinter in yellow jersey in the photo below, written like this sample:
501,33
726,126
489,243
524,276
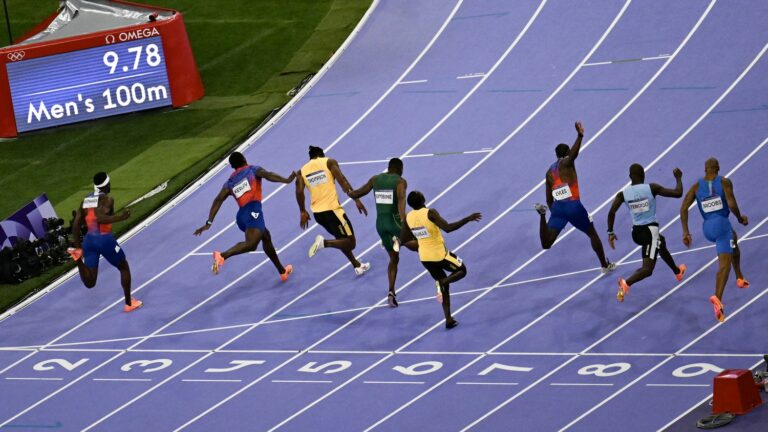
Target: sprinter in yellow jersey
319,175
421,231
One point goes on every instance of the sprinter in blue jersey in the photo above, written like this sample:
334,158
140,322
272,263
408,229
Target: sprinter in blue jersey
713,194
97,210
640,198
244,185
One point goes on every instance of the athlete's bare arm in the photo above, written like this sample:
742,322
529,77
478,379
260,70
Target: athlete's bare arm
303,215
217,202
363,190
76,234
344,183
273,177
407,239
731,198
435,217
617,201
576,147
690,197
401,188
105,209
677,192
550,198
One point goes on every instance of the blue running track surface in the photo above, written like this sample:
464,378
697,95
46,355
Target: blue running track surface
473,95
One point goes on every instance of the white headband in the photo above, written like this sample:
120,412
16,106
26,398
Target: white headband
96,187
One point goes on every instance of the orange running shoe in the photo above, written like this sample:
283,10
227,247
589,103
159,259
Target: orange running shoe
288,271
439,296
135,304
218,261
742,283
623,290
719,310
681,275
75,253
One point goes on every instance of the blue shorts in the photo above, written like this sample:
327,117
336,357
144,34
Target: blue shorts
96,245
251,216
569,211
718,229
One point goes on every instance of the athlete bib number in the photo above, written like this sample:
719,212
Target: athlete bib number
420,233
712,204
317,178
241,188
91,202
639,206
562,193
385,197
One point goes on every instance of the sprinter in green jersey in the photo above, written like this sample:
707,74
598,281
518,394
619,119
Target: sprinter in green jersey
389,191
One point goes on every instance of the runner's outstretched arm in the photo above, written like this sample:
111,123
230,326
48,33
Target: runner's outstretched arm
362,190
731,198
401,188
576,147
687,201
617,201
344,183
275,178
435,217
217,202
102,216
677,192
303,215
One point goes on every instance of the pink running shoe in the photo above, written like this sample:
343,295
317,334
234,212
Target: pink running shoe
623,290
288,271
135,304
718,306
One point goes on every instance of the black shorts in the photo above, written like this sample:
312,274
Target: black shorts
649,237
335,222
437,269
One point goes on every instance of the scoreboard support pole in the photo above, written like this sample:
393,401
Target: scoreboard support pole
8,23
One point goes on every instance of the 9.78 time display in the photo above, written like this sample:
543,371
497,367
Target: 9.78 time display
88,84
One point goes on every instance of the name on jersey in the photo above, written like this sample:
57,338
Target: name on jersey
420,233
91,202
562,193
639,206
317,178
712,204
241,188
385,197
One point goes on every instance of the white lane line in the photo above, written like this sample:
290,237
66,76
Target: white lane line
602,63
33,379
124,379
688,411
209,254
472,75
212,380
678,385
412,156
582,384
394,382
412,82
303,381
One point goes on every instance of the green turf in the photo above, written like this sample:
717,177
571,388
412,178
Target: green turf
249,52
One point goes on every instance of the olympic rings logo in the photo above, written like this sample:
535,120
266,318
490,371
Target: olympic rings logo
16,56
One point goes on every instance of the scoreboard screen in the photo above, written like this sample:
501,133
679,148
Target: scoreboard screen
92,83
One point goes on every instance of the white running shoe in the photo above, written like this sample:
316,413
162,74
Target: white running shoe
609,268
540,208
364,267
316,246
439,296
395,244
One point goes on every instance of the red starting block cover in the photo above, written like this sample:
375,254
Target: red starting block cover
735,392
